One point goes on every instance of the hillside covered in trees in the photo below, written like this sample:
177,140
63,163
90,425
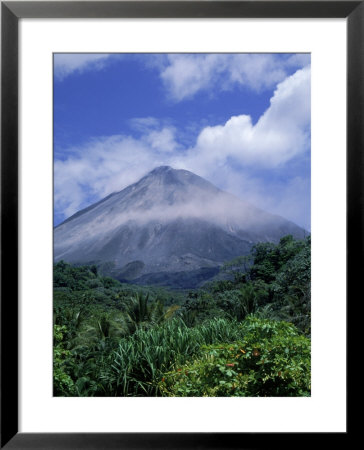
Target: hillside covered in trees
245,334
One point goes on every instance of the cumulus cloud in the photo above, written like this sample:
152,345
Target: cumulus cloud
184,74
66,64
281,133
228,155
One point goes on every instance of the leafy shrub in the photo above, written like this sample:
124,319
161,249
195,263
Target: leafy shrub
272,359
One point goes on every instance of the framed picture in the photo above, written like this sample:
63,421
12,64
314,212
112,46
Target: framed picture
133,128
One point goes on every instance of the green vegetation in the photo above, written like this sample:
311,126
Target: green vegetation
247,334
270,359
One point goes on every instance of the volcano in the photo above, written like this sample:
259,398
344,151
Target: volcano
171,228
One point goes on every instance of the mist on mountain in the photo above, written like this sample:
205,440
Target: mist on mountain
171,228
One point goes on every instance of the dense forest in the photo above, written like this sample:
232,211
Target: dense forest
245,334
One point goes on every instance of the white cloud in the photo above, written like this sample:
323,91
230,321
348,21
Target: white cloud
280,134
227,155
159,136
163,140
106,165
185,74
299,59
66,64
289,198
144,124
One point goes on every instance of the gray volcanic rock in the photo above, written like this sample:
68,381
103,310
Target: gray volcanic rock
171,225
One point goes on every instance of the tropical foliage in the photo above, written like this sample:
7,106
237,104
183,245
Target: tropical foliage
271,359
245,334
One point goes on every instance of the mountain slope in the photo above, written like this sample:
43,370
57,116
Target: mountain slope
170,225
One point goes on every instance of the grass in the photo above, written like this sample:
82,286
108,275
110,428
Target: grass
141,359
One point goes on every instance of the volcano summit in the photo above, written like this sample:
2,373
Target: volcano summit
171,228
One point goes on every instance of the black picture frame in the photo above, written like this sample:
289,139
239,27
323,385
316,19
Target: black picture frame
11,12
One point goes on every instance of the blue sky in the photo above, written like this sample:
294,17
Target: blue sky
242,121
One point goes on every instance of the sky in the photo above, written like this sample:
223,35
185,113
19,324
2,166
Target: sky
242,121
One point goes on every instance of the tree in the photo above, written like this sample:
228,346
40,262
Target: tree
238,267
